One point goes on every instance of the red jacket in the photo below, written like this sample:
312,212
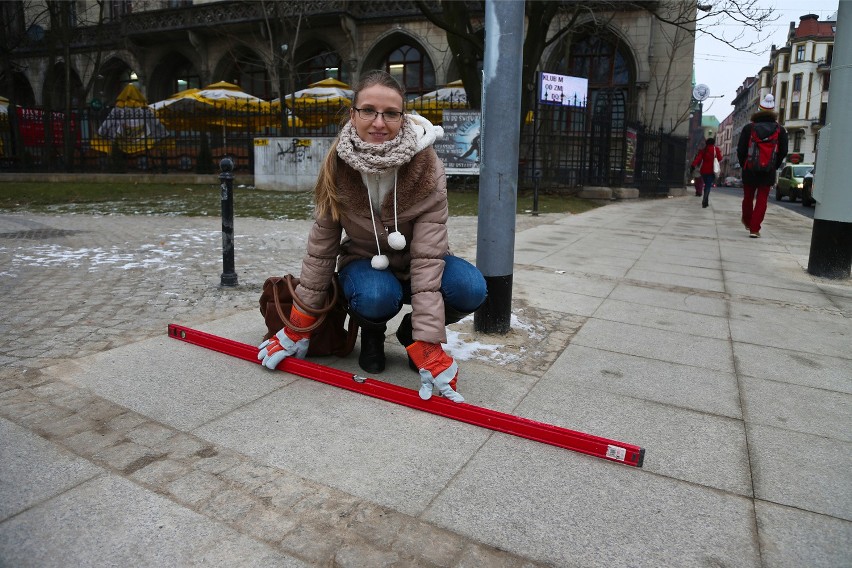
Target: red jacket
705,158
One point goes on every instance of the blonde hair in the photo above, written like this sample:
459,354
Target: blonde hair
325,190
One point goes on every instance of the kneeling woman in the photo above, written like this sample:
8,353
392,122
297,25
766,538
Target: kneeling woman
384,185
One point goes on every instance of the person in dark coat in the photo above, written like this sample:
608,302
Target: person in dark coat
705,158
756,184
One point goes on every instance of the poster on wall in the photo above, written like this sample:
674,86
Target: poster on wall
629,155
460,147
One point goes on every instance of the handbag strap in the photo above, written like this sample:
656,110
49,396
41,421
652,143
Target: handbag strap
329,303
320,313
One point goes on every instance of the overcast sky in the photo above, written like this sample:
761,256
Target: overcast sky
723,68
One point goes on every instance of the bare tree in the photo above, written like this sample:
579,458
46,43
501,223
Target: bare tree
66,27
14,25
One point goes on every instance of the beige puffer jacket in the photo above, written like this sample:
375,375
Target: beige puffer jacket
422,216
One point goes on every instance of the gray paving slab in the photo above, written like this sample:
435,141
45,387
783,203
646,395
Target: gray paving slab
694,446
803,409
698,283
805,299
562,281
32,470
558,300
792,538
794,283
812,473
671,266
658,317
169,381
680,256
109,521
657,344
683,386
800,367
786,327
708,303
373,449
571,510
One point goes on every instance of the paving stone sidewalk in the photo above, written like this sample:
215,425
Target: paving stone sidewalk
75,285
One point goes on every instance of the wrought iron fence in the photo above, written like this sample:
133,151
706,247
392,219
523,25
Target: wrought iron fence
562,149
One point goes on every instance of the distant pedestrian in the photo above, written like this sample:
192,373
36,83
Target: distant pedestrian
699,184
706,158
761,151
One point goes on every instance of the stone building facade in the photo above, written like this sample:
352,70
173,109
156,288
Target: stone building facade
639,65
798,75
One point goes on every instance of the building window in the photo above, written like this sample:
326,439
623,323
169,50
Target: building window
794,110
797,83
118,8
323,65
826,79
800,53
797,140
185,77
412,69
250,74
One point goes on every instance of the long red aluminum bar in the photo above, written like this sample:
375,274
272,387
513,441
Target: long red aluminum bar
613,450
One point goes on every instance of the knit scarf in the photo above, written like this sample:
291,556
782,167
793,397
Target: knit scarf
370,158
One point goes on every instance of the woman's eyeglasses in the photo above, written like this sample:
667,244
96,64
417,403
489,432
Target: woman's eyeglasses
370,114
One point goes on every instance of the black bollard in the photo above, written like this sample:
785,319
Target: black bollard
229,276
537,179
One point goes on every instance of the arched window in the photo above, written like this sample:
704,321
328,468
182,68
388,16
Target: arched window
174,74
412,68
605,63
323,65
249,72
184,77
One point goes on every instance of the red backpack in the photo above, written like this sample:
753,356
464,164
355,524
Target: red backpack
762,147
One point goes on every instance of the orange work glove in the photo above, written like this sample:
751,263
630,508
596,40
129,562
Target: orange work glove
287,342
436,368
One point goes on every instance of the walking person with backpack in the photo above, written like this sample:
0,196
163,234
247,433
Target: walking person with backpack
761,150
708,157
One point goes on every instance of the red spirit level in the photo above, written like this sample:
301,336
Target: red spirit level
627,454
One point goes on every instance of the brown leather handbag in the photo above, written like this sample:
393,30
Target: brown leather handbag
329,333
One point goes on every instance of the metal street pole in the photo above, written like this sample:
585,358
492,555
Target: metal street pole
229,276
831,238
498,181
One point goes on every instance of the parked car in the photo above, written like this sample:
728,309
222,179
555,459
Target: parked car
808,189
790,181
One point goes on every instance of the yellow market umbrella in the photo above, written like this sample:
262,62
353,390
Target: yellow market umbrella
217,106
131,125
432,105
321,103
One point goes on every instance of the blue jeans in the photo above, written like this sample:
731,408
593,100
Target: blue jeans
377,295
709,180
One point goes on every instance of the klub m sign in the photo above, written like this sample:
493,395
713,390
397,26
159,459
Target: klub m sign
563,90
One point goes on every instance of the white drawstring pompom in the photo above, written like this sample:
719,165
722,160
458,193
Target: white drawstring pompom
396,240
379,262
